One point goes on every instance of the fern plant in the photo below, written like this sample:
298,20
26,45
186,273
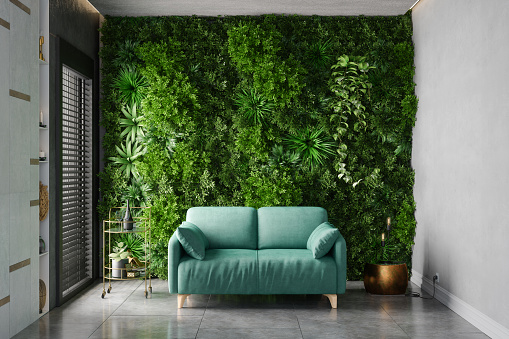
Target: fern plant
130,84
126,54
312,145
133,123
253,105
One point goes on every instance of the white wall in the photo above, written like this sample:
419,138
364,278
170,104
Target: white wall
19,141
461,155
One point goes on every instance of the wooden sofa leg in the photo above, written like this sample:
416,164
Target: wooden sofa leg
181,298
333,298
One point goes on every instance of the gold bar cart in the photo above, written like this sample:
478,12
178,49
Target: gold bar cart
114,226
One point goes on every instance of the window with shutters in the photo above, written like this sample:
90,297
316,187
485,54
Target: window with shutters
76,209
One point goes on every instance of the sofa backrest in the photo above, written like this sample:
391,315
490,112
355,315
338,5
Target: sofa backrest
287,227
226,227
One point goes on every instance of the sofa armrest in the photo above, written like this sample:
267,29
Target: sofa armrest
174,254
339,255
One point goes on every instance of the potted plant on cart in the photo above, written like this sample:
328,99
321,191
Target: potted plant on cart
383,274
119,260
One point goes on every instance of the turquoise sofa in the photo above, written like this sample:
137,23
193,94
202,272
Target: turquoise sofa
260,251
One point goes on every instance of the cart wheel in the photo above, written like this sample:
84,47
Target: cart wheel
146,294
150,289
102,295
109,289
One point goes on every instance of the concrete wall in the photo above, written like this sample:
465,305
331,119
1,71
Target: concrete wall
19,184
461,155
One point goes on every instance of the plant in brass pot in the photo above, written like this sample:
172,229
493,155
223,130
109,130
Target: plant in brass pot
384,274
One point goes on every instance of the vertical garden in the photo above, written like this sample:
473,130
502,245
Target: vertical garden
262,111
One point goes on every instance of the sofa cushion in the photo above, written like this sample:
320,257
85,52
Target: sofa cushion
223,271
192,240
322,239
295,271
287,227
226,227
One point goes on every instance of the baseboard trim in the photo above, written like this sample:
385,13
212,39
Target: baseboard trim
480,320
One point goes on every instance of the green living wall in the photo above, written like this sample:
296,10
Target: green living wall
262,111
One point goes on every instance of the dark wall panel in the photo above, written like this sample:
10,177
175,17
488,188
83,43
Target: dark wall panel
75,24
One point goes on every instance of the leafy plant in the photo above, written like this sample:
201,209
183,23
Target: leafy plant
256,51
253,105
159,259
320,54
312,145
127,156
138,194
126,54
133,123
130,84
132,243
350,85
276,188
119,252
282,158
167,143
201,150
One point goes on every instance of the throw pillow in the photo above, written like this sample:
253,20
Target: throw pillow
192,240
322,239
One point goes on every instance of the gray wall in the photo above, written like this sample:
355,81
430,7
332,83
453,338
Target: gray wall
19,181
461,152
77,22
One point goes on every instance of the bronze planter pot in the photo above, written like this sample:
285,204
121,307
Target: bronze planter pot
386,278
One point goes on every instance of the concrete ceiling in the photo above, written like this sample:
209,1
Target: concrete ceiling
251,7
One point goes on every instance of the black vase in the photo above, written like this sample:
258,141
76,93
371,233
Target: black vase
128,220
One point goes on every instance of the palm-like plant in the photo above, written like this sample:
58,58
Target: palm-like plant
127,157
280,158
133,123
254,105
312,145
320,54
130,83
133,243
137,192
167,143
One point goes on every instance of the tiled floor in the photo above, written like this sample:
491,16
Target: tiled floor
125,313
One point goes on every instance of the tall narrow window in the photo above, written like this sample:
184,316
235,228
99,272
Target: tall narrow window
76,210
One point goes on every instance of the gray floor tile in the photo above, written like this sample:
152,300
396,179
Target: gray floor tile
249,333
127,313
148,327
161,302
437,326
325,329
251,301
249,318
379,329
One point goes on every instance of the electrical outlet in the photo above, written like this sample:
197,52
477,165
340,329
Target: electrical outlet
436,278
